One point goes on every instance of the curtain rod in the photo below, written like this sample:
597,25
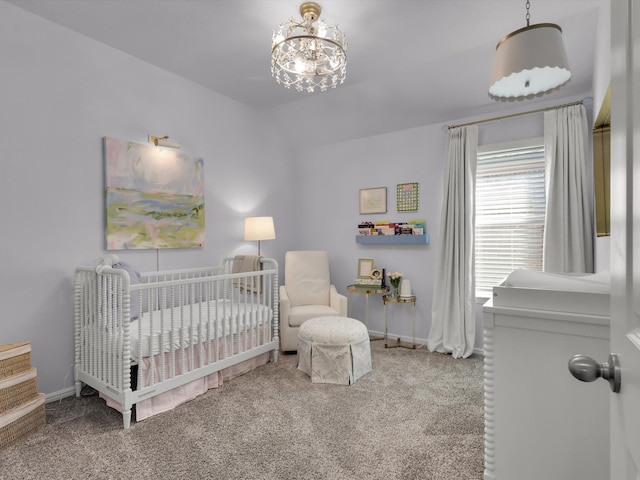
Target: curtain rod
579,102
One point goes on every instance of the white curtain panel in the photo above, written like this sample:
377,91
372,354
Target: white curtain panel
453,319
568,231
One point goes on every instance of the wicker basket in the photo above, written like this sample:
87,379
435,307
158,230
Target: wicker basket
18,389
22,421
14,358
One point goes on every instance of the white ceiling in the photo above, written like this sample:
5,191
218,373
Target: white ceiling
410,62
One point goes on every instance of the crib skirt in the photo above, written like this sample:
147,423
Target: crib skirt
167,401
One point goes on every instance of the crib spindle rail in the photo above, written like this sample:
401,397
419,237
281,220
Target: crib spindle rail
170,329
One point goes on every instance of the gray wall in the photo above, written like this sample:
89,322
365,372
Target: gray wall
62,93
329,179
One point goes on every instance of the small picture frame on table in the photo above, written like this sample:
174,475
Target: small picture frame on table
365,267
373,200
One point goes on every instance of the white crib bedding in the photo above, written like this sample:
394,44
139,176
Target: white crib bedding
225,318
594,282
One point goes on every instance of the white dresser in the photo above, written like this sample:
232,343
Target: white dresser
540,422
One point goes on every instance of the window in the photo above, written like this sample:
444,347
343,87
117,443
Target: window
510,211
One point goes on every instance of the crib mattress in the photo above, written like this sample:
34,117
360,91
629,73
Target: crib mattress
171,329
570,293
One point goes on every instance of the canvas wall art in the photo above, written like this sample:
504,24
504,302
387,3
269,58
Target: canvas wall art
154,197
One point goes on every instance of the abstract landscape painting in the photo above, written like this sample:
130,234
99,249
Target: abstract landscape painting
154,197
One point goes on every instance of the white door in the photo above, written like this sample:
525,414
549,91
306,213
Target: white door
625,236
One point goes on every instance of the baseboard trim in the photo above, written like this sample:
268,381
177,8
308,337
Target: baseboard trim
420,342
59,395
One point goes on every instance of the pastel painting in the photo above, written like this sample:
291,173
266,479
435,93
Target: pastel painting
154,197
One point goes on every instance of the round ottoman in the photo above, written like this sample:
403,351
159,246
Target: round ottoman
334,350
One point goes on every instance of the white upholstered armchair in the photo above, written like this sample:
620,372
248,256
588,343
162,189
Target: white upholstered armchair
307,293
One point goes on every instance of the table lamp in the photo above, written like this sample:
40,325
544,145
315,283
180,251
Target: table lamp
259,228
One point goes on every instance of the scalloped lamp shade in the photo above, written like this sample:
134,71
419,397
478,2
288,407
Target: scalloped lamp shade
529,62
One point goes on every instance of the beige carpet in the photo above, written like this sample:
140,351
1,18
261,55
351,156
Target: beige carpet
418,415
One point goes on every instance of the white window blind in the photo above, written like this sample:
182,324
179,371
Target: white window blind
510,211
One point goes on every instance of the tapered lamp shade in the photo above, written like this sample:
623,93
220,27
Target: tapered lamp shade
259,228
529,62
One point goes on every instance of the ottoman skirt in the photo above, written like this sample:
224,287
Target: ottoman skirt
334,350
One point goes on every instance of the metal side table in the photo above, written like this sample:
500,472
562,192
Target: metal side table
366,291
390,299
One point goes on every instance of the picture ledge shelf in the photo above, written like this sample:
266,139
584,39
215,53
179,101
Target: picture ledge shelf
393,239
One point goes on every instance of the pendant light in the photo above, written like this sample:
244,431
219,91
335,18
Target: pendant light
529,62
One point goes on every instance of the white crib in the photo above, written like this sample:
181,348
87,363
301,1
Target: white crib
170,337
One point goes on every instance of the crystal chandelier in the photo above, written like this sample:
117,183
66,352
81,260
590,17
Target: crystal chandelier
309,54
529,62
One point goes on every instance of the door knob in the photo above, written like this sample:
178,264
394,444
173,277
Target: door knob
587,369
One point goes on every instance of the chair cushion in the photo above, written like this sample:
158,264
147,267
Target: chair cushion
307,277
299,315
335,330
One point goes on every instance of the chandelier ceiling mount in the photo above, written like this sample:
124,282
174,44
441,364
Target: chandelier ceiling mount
309,54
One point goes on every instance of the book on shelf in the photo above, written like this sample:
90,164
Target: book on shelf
411,227
418,224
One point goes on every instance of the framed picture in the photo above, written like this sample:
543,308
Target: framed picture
365,267
407,197
373,200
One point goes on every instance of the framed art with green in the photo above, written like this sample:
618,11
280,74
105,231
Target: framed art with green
154,197
407,197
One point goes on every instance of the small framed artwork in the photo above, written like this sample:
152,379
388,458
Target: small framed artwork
373,200
365,267
407,197
376,274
